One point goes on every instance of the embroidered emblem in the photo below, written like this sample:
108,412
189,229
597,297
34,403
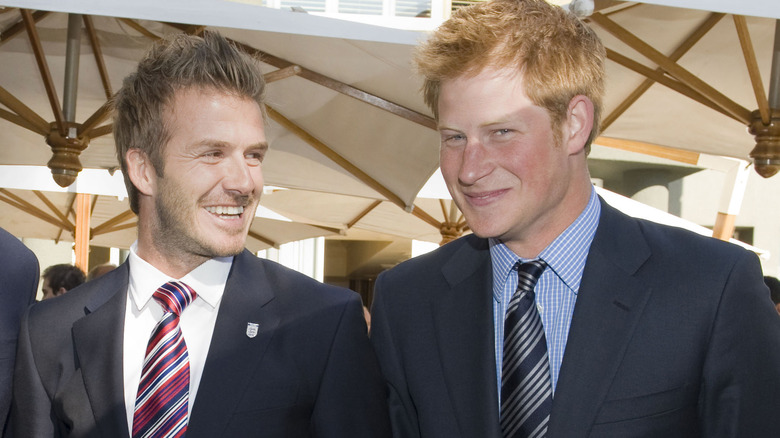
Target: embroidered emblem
251,329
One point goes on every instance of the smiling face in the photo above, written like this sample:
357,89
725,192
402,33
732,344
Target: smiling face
212,180
512,178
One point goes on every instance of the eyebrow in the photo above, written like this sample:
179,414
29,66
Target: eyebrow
211,143
262,145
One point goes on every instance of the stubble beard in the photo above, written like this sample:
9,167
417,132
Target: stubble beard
176,231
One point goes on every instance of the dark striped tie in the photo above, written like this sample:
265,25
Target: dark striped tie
163,393
526,391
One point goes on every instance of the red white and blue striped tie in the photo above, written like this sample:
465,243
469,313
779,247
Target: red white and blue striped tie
163,395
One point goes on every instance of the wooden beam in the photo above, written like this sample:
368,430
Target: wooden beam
444,213
101,131
99,59
263,239
650,149
140,29
427,218
43,67
15,29
26,207
115,228
328,229
348,90
118,219
335,157
454,212
752,65
363,213
90,125
15,119
667,81
82,231
72,211
38,124
672,68
282,73
681,50
53,208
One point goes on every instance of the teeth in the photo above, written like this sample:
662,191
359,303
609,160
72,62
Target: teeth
225,210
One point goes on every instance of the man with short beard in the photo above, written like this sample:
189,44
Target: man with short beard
194,333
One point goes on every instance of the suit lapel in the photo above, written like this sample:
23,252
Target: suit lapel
609,304
233,354
98,340
464,329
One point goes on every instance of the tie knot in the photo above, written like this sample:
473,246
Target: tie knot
528,273
174,296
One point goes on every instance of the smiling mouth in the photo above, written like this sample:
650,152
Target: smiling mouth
227,212
484,195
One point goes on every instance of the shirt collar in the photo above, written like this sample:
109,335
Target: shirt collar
207,280
566,255
503,261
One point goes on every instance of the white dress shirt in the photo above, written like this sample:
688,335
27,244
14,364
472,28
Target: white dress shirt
197,321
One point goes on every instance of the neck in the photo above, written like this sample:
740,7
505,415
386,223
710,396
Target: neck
168,259
549,226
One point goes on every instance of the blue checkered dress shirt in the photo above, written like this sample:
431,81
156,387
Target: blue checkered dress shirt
556,291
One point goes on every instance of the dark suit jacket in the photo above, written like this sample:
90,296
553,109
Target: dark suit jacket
673,335
309,372
18,285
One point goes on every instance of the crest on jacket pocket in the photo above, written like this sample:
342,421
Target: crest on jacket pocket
252,329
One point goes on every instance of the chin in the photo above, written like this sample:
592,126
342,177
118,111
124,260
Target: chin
232,250
486,234
225,249
485,227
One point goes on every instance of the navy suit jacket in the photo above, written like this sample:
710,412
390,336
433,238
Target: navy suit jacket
309,372
19,273
673,335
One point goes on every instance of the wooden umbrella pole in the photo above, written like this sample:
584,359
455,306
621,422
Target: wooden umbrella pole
731,200
766,154
82,231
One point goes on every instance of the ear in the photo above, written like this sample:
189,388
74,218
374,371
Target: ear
579,122
60,291
141,171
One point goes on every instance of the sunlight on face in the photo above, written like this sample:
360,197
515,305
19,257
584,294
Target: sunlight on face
212,178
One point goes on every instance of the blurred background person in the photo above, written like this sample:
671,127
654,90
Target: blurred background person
58,279
99,270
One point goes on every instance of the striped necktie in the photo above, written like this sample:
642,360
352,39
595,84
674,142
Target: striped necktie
163,394
526,391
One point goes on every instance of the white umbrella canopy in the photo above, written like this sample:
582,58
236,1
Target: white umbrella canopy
349,120
754,8
427,222
689,79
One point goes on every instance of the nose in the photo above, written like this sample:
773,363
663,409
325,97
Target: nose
474,164
242,178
